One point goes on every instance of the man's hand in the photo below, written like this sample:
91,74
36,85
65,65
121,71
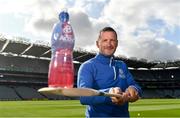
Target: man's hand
117,100
132,94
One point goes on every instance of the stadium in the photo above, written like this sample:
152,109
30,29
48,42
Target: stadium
24,69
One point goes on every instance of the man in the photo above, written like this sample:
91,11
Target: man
108,75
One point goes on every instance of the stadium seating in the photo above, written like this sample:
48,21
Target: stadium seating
177,93
8,93
28,93
151,93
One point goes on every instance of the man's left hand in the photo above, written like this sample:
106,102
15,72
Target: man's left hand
133,94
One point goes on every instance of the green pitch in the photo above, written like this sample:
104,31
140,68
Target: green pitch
72,108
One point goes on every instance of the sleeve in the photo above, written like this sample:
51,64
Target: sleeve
130,80
85,79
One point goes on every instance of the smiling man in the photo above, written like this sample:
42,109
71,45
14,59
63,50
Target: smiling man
106,74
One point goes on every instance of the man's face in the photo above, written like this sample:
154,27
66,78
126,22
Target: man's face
107,43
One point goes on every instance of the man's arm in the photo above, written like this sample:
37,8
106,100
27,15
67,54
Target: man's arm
133,91
85,80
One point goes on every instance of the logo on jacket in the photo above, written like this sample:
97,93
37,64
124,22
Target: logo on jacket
121,74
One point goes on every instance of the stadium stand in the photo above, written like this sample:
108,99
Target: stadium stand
24,69
177,93
152,93
8,93
28,93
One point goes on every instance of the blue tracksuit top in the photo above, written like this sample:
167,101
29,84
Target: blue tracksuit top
102,73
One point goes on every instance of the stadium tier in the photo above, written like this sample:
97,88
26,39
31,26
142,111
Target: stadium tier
24,69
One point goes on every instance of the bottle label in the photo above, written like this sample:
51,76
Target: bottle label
67,37
63,37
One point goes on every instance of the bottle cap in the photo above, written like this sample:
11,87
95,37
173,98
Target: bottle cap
64,16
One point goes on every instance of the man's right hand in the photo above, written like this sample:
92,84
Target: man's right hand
118,100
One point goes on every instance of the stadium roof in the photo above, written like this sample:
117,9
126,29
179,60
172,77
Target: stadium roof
20,47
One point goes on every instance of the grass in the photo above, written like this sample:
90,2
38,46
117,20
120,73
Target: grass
72,108
155,108
61,108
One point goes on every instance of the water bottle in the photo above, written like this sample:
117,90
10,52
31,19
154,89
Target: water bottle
61,68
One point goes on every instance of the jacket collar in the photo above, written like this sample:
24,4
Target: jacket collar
109,60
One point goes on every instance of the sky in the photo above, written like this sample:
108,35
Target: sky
147,29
